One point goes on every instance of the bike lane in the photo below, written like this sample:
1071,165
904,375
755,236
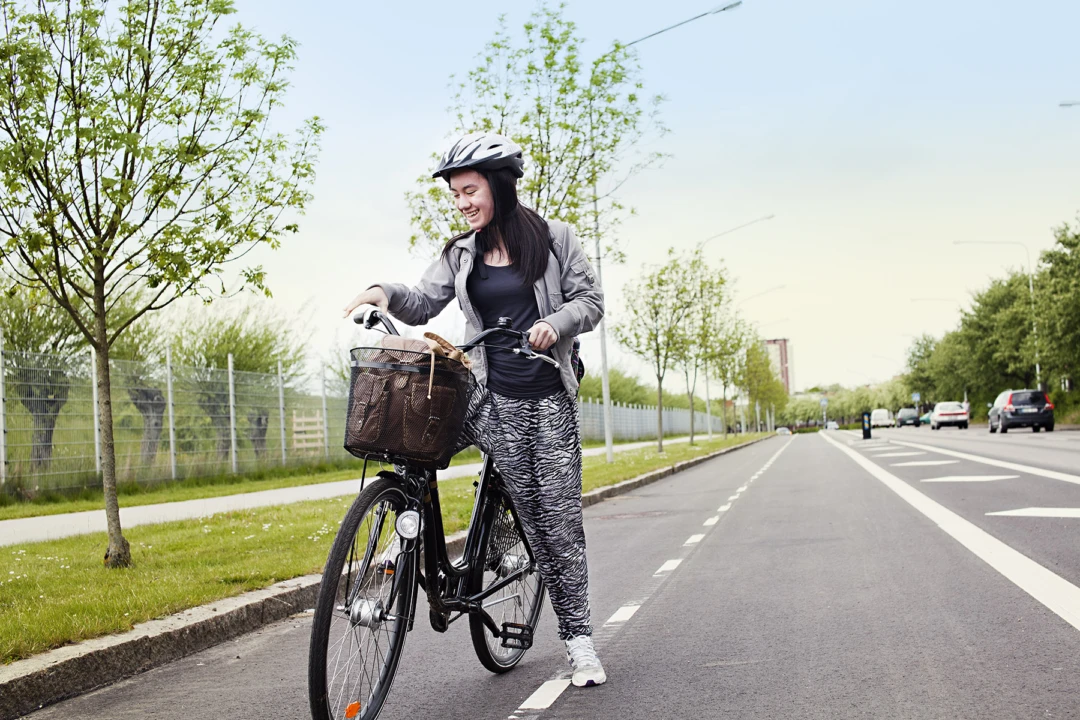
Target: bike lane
265,673
824,595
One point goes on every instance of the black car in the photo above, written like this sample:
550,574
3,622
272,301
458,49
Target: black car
907,416
1022,408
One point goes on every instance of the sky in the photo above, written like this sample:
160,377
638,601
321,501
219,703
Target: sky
877,132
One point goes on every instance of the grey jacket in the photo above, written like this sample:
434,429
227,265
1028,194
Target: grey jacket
568,296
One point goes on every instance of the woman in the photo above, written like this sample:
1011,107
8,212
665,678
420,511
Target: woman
514,264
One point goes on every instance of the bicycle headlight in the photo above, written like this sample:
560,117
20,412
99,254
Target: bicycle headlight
408,524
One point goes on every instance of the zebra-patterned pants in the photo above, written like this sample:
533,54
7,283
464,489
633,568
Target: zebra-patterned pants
536,445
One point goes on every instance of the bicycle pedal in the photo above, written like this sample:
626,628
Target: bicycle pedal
516,635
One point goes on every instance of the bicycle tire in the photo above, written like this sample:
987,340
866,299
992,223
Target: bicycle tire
502,547
333,624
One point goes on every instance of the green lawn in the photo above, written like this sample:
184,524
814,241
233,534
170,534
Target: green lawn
56,592
204,487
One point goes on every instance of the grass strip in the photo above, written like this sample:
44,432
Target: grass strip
56,592
197,488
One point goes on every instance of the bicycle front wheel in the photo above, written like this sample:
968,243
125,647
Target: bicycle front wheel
502,551
362,613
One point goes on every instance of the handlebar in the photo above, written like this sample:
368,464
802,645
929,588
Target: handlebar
372,316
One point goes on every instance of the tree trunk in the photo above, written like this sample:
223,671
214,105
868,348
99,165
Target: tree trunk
43,393
150,402
659,416
258,423
723,409
118,554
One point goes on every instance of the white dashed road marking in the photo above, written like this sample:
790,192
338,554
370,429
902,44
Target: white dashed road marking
724,508
545,695
694,539
622,614
712,521
668,566
900,454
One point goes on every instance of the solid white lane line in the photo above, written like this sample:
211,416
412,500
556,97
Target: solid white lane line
724,508
622,614
1040,512
694,539
545,695
971,478
1053,591
742,489
712,521
925,463
1016,467
900,454
668,566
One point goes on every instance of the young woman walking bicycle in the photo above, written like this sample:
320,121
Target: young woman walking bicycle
515,264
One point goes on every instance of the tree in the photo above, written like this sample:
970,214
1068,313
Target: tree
136,153
703,322
579,124
658,305
40,342
920,378
759,380
258,339
727,351
1060,303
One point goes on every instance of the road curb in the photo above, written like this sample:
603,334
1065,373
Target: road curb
31,684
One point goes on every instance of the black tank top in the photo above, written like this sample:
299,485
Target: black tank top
501,292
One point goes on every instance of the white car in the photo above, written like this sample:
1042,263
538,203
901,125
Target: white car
881,418
949,413
832,425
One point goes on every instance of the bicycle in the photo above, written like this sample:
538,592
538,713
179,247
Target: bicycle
367,600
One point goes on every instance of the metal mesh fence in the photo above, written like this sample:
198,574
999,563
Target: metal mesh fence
173,422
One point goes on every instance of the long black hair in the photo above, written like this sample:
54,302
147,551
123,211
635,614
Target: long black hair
524,234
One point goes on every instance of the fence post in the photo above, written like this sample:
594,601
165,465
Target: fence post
172,416
325,418
3,407
232,415
281,411
97,412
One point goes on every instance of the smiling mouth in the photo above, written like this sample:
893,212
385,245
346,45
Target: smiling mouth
474,215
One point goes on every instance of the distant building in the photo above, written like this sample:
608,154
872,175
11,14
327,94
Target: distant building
780,357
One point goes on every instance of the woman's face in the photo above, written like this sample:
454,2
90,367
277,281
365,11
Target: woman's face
473,198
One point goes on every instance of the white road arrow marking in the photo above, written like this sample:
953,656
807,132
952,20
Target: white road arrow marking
970,478
925,463
1040,512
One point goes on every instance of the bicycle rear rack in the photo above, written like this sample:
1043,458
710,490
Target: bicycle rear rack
516,635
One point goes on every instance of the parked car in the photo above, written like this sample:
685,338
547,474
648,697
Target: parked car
924,419
782,431
1022,408
949,413
907,416
832,425
881,418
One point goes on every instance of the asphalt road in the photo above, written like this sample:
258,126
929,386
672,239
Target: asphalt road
843,582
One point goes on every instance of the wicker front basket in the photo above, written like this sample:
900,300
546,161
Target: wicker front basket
406,406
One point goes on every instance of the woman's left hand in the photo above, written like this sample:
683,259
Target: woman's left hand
542,336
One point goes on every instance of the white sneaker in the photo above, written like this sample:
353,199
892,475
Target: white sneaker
582,657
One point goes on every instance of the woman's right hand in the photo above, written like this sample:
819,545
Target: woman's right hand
372,296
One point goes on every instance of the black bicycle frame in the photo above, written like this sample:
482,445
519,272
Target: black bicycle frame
445,582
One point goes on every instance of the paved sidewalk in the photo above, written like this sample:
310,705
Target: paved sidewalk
50,527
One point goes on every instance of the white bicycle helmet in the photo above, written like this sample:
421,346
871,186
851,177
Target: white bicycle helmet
482,151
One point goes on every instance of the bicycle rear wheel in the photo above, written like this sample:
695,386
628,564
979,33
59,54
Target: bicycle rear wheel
362,613
504,551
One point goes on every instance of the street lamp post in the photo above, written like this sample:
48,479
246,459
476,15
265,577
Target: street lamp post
602,328
1031,293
